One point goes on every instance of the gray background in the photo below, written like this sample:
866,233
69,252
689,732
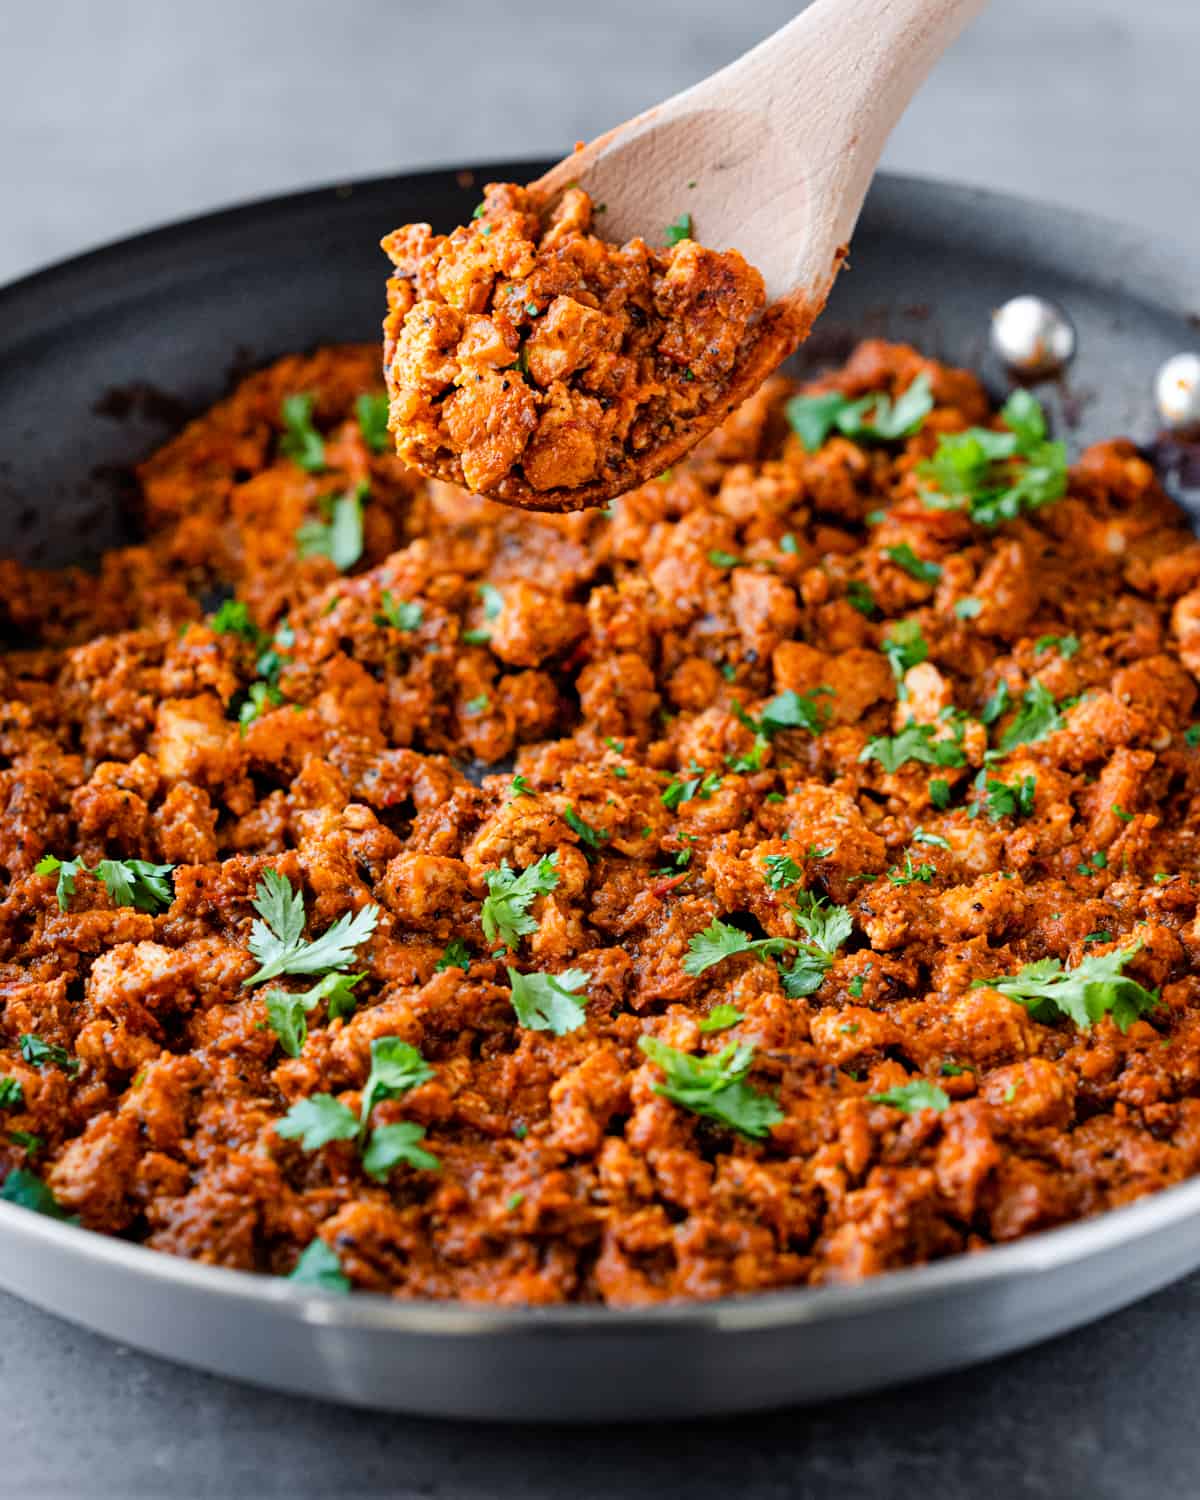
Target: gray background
114,116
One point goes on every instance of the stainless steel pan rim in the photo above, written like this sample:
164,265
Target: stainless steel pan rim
1037,1254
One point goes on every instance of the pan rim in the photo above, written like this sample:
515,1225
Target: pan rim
1163,272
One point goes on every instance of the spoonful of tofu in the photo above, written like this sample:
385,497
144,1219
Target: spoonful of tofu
581,334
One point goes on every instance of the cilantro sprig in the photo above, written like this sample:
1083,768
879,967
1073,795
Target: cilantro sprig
130,882
714,1086
396,1068
504,914
277,934
913,1097
339,534
549,1002
997,475
826,929
301,442
1095,987
874,417
288,1012
915,742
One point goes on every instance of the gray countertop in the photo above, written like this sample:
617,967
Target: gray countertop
115,116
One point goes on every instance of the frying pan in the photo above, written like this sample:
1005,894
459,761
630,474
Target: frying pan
100,358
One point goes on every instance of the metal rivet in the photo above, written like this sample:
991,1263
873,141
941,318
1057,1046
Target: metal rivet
1177,390
1033,336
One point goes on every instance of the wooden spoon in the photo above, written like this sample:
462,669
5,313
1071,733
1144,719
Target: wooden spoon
771,156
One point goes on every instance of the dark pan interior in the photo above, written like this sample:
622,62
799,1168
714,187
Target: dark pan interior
104,356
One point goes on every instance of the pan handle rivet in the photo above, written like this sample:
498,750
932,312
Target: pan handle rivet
1032,336
1177,390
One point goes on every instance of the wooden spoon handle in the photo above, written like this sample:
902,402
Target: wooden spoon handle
773,154
833,83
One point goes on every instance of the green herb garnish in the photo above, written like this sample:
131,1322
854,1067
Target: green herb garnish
869,418
994,475
340,536
549,1002
913,1097
277,933
714,1086
504,914
301,442
1095,987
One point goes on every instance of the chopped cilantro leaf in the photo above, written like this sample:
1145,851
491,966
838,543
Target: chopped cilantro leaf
860,597
390,1145
455,956
916,567
301,442
287,1013
714,1086
913,1097
277,933
911,873
400,614
27,1190
520,788
1066,645
504,914
699,786
905,647
592,837
340,538
233,618
549,1002
41,1054
996,475
720,1018
874,417
372,413
679,229
915,742
782,870
939,792
1095,987
968,609
319,1267
1037,717
1003,799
